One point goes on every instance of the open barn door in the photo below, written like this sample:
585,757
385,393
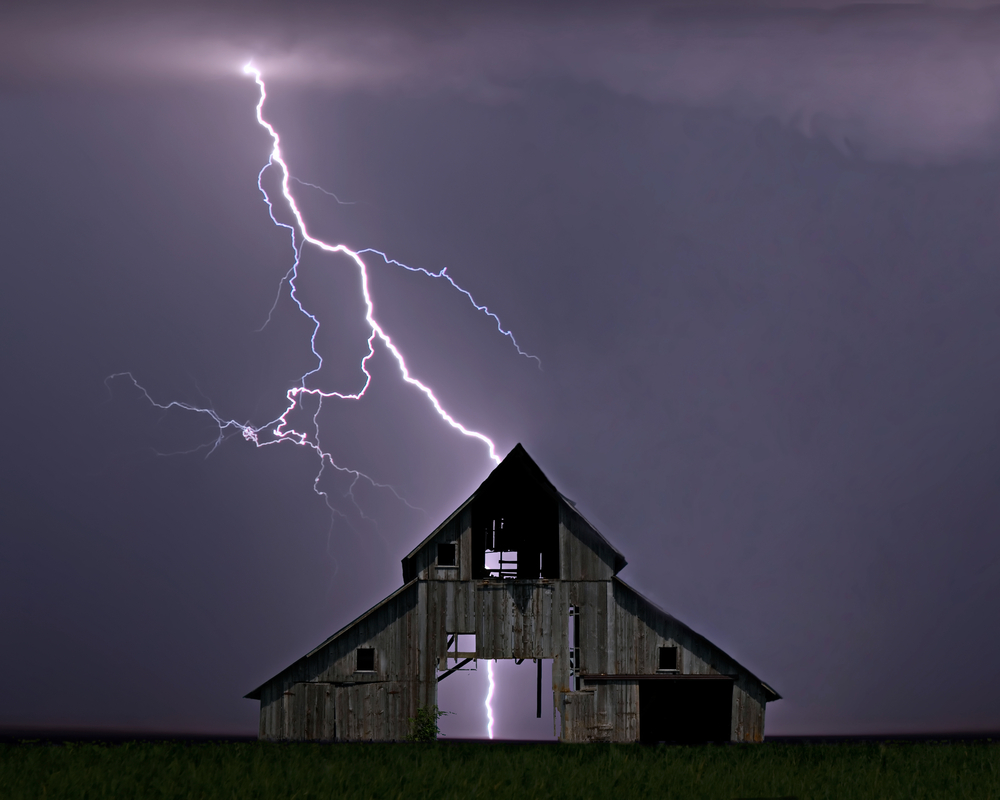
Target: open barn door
685,710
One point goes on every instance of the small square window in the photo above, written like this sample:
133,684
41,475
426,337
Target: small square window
668,658
446,555
366,659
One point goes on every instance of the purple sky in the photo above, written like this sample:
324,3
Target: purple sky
757,253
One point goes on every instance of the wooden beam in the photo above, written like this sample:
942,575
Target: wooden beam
455,668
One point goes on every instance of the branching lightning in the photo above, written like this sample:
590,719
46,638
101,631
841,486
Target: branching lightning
443,273
324,191
281,429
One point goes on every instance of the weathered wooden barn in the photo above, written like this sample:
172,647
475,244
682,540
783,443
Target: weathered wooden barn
516,572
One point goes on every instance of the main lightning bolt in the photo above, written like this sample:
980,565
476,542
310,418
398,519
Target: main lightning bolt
281,429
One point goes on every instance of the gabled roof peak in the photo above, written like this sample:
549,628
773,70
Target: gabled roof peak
516,467
518,459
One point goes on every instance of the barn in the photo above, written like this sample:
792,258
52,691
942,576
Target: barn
516,572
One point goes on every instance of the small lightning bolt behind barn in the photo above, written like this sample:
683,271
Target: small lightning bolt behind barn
516,572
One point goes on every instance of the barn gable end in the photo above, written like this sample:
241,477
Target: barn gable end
520,569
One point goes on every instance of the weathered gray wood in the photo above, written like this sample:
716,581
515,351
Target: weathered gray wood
323,696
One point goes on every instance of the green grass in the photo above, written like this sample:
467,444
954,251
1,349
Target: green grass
463,771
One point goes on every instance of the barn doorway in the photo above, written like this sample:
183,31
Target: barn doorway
685,710
514,702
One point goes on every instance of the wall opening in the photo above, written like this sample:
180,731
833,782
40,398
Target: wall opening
366,659
515,529
460,646
685,710
514,702
668,659
446,555
499,563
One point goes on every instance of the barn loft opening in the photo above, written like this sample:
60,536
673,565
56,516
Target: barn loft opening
668,658
446,555
366,659
515,524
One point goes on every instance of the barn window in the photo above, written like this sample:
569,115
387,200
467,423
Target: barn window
366,659
446,555
668,658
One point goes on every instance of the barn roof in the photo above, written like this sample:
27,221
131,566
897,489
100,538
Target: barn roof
255,694
519,466
771,694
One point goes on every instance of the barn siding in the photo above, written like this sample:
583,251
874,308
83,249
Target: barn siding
515,619
584,555
616,712
642,629
453,605
322,697
456,530
375,712
578,716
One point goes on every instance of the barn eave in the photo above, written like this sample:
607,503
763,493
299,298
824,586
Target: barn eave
255,694
770,694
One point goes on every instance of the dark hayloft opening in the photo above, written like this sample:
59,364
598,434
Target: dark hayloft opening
515,525
446,555
366,659
668,658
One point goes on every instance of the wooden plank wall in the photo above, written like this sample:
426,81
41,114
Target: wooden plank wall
748,712
325,712
578,715
605,712
620,633
451,607
640,629
392,630
583,554
291,711
458,532
374,712
517,619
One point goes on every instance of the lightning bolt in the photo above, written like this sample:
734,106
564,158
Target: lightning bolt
281,429
489,696
443,273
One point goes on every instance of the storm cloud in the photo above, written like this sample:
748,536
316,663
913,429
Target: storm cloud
917,83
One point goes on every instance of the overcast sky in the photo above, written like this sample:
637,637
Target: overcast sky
754,248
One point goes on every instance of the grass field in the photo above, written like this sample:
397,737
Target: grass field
245,771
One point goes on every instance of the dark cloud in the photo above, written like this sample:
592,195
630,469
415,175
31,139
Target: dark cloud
888,81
